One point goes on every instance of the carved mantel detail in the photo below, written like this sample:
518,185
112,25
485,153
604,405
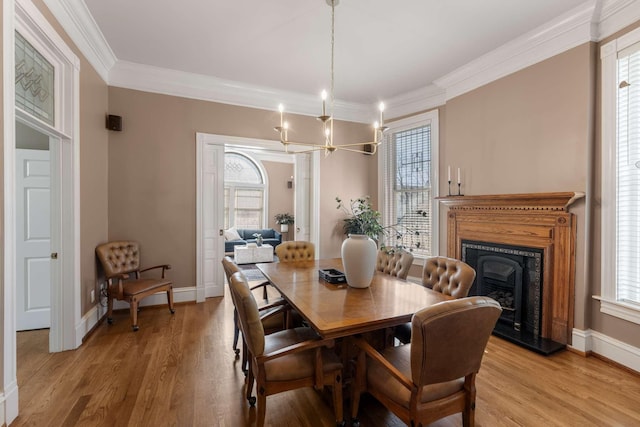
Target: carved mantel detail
537,220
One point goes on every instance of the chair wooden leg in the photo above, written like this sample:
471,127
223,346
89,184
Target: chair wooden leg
250,398
468,414
133,308
236,333
262,408
170,300
245,358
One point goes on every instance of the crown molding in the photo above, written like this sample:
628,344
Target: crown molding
591,21
148,78
74,17
422,99
616,15
563,33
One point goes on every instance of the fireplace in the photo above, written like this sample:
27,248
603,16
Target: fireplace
512,276
522,247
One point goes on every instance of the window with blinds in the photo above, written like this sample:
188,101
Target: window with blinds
627,176
244,192
408,169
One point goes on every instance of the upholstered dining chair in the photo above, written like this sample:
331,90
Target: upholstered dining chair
296,250
273,313
121,259
396,263
285,360
434,376
449,276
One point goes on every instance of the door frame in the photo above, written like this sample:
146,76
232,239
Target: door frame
307,161
24,16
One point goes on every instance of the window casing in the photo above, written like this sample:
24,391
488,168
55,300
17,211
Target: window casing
620,281
409,170
244,192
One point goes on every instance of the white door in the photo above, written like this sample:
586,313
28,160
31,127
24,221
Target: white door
302,197
210,221
33,239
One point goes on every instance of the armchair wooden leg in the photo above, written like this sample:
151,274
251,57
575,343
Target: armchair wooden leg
133,308
245,359
170,300
250,398
236,333
109,309
262,407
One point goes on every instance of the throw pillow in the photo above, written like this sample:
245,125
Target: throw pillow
231,234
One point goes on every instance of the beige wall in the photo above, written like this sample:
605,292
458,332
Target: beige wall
152,169
349,176
280,197
528,132
93,164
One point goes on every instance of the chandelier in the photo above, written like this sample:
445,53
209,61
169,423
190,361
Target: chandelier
327,120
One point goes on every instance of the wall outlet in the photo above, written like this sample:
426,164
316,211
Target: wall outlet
93,295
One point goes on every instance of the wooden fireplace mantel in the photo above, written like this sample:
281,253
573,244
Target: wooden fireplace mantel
531,201
537,220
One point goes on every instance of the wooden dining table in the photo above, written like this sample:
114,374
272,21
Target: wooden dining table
338,310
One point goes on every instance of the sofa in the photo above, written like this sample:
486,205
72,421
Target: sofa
241,236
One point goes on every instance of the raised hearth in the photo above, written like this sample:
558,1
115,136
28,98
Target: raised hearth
538,227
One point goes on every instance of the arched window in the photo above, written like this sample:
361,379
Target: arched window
244,192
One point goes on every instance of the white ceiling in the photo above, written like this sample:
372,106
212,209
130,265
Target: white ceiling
383,48
413,54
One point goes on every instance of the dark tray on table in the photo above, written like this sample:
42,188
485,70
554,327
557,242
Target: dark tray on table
332,275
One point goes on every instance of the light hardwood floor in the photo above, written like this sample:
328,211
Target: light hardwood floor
180,371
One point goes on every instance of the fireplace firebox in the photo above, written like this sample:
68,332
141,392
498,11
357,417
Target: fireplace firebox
512,276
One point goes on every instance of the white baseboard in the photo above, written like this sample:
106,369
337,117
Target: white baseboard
9,403
603,345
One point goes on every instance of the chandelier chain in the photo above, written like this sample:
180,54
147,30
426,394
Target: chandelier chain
333,41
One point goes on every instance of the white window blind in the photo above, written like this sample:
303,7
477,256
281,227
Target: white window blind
245,192
408,189
628,176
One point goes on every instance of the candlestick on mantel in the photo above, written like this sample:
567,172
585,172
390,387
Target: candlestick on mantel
459,182
449,174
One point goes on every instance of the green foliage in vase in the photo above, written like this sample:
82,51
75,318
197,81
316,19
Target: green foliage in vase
284,218
362,218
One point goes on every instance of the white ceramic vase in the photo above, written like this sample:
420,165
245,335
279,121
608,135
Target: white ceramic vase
359,260
284,228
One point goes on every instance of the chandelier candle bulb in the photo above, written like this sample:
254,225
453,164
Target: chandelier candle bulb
281,109
324,102
381,107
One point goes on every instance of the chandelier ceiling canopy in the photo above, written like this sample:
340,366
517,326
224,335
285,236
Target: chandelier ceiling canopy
326,118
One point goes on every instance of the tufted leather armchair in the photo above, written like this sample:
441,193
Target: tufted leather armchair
395,264
285,360
296,251
448,275
434,376
445,275
120,260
